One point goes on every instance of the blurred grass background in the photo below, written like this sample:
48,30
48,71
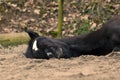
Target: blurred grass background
80,16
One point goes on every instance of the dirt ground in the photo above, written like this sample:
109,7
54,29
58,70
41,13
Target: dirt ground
14,66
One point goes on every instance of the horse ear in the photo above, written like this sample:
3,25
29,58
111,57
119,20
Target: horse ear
32,34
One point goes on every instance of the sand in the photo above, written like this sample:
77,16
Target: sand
15,66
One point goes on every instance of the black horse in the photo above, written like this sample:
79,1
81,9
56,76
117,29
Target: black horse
99,42
45,48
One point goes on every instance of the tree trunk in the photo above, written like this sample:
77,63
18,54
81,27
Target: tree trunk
60,18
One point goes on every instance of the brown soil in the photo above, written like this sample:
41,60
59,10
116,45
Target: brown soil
14,66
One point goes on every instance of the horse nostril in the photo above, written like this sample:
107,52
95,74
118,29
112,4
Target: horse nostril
50,55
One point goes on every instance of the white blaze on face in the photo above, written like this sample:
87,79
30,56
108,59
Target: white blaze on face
34,47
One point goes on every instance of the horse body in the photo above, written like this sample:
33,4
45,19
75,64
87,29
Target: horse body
99,42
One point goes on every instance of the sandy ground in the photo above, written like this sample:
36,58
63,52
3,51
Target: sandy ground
14,66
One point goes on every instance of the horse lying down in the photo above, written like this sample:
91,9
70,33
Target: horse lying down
45,48
99,42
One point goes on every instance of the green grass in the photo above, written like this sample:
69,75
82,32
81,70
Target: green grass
13,40
83,28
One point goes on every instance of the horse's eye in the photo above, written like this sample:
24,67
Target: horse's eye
58,52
